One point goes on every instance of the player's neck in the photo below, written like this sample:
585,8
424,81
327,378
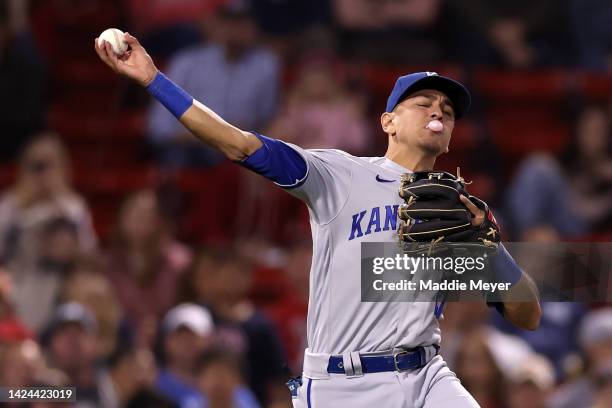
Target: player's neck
414,160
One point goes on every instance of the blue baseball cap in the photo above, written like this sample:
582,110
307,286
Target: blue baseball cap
408,84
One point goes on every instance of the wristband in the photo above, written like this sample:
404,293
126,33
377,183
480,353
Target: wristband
169,94
505,269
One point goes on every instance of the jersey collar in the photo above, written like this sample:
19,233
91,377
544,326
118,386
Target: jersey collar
393,166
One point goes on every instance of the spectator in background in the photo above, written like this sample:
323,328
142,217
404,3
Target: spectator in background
18,363
220,280
588,163
143,263
372,29
44,226
572,196
560,321
70,347
88,287
232,75
37,289
531,383
596,342
479,374
167,26
187,331
483,359
290,26
128,380
22,365
592,33
22,76
219,378
289,310
460,319
321,112
603,387
12,328
281,18
516,34
41,193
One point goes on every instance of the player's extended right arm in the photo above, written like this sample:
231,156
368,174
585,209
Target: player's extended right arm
205,124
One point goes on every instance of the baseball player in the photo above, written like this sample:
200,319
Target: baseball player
360,354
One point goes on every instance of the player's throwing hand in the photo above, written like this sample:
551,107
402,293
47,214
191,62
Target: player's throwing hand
135,63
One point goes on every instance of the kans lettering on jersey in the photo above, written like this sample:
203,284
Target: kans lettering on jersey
367,222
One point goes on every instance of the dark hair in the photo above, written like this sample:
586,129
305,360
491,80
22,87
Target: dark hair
496,387
40,137
3,12
122,351
568,155
88,263
219,256
236,10
153,250
58,224
151,399
222,355
126,203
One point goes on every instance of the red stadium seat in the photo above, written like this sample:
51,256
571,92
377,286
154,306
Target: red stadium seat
594,237
7,175
100,138
67,28
465,135
269,286
90,73
534,85
115,181
214,200
521,133
384,76
110,128
595,86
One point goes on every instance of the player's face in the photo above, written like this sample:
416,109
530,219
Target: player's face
411,117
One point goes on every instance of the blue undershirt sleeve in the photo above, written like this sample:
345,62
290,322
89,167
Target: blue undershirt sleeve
505,269
278,162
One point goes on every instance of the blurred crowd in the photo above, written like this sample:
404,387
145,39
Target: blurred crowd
149,308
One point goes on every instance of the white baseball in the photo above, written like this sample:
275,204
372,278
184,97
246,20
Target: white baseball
115,38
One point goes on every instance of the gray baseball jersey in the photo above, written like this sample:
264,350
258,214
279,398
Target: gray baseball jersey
353,200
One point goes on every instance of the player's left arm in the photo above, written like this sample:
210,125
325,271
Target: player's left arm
526,313
523,314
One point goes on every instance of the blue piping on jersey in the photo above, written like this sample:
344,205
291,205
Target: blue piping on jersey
308,392
438,309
